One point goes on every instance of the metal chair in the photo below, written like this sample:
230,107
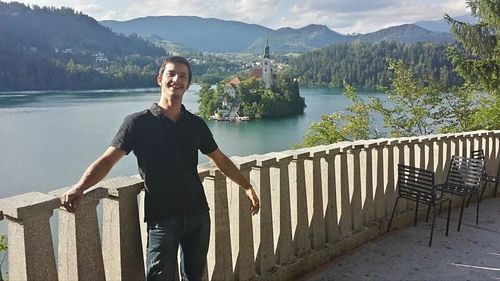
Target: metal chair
485,179
463,179
417,185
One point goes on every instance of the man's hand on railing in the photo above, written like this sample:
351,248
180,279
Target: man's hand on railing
254,200
72,198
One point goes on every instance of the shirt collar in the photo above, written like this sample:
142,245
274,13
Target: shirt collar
156,110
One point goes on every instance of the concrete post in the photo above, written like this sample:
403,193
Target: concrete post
331,191
402,146
219,258
344,214
367,182
315,198
440,158
379,179
263,222
355,193
80,254
282,224
241,224
390,169
121,239
31,252
299,203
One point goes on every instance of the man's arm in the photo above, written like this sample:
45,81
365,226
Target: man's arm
94,173
227,167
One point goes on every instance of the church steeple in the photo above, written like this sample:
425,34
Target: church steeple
266,51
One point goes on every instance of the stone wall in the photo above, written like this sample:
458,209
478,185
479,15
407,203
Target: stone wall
317,203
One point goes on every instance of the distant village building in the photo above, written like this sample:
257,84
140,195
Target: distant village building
231,87
264,71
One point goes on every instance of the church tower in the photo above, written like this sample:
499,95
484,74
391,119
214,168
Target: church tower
267,68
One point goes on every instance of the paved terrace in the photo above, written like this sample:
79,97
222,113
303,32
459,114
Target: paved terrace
317,204
403,254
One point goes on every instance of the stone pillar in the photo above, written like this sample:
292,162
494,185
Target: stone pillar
80,253
354,179
379,179
440,158
121,239
299,203
331,191
280,194
241,224
315,198
31,252
263,222
367,180
219,258
343,199
390,169
403,155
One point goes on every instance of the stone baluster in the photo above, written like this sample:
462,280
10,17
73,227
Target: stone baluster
282,225
368,178
219,258
314,191
263,222
440,157
121,242
80,254
344,212
241,224
390,174
402,145
331,191
31,252
299,203
379,179
462,144
354,180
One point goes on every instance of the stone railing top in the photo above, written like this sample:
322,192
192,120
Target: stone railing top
121,185
95,193
244,163
29,205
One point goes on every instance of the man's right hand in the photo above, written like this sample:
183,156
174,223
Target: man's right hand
72,198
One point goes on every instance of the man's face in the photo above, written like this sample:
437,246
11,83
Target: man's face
174,80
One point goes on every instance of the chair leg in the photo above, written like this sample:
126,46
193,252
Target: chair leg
461,213
393,211
449,215
477,209
433,222
416,214
428,212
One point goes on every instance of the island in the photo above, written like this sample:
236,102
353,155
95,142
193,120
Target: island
264,92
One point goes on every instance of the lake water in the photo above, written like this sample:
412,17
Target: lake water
47,139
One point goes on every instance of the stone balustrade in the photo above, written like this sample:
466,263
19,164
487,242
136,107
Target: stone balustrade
317,203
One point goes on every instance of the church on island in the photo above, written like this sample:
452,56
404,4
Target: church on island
229,103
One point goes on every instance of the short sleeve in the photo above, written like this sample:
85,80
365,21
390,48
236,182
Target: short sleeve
208,144
125,137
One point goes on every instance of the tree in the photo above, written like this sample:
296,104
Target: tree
479,60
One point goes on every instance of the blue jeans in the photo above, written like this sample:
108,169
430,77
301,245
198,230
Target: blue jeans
192,233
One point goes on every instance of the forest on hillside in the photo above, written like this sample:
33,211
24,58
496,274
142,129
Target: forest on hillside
365,65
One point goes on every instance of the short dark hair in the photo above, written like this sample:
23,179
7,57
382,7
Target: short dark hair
176,60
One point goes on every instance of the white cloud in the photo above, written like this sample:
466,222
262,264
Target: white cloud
344,16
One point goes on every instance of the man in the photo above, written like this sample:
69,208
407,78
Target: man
166,139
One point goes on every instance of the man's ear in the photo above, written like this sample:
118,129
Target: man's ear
158,80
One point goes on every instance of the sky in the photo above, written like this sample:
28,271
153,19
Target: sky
344,16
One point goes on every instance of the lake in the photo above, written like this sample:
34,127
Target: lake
47,139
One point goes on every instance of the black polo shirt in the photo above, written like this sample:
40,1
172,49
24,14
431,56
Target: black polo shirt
167,156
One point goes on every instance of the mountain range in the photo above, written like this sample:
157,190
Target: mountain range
221,36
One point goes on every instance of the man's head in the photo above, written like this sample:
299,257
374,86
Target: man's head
174,77
176,60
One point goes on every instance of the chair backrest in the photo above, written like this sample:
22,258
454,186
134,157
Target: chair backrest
477,154
415,184
465,173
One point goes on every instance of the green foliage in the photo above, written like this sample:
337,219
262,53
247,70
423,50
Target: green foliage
365,64
478,62
50,48
355,123
3,248
207,102
413,108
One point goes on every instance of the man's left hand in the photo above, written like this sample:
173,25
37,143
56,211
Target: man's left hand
254,200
